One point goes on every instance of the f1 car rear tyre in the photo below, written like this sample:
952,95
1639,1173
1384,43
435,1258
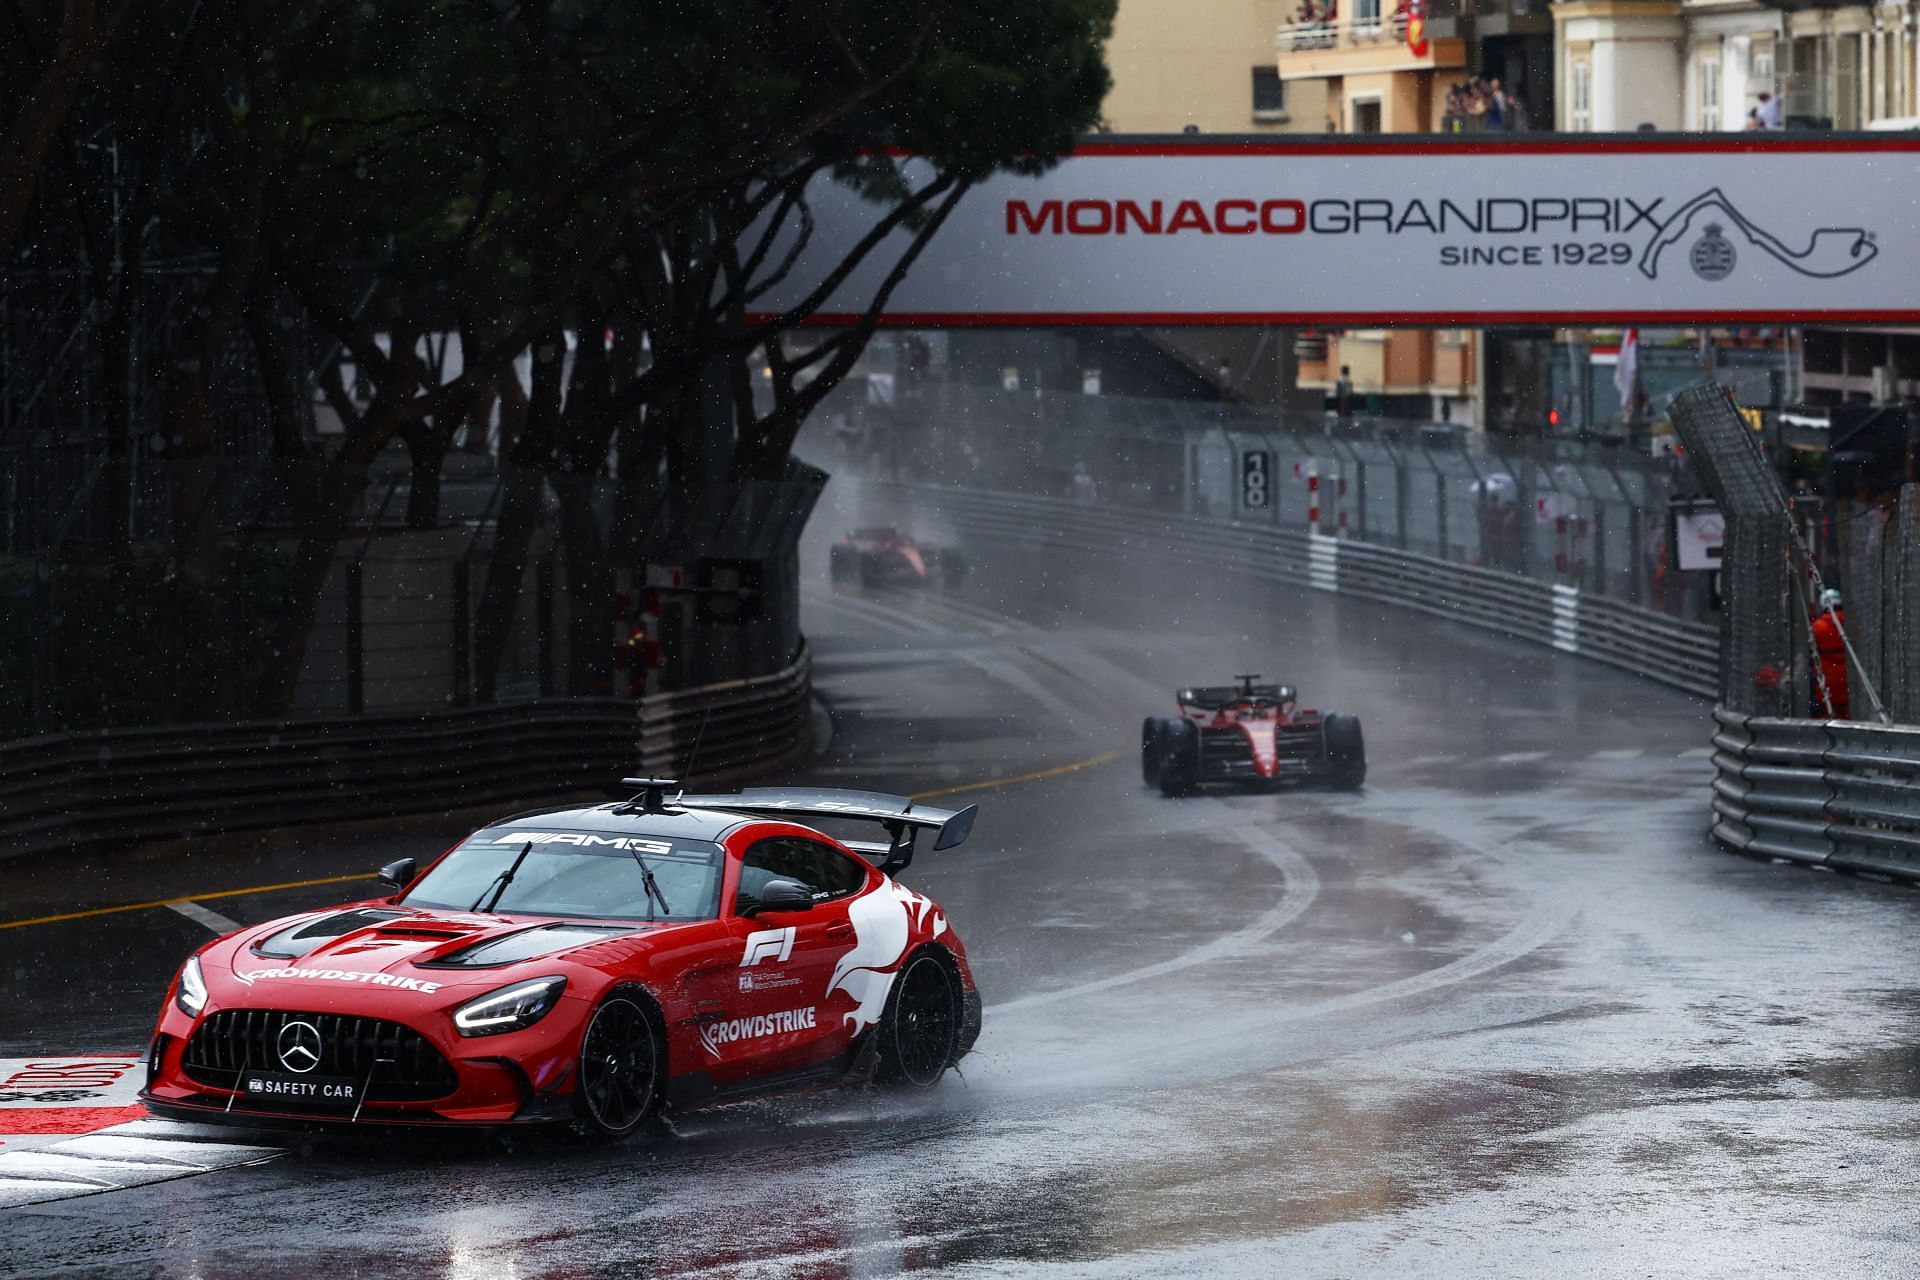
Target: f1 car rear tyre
920,1027
840,564
1150,751
622,1057
870,571
1179,756
1346,752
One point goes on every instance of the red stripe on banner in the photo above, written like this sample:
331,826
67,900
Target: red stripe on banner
42,1120
1345,319
1438,145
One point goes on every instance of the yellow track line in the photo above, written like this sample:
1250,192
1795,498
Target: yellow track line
190,897
1054,772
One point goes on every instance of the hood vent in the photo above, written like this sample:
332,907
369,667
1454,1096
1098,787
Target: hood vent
526,944
297,941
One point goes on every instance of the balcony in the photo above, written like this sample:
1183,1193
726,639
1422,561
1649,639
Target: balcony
1328,42
1364,28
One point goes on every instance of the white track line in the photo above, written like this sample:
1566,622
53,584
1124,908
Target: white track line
201,916
1300,885
1623,753
1520,757
127,1155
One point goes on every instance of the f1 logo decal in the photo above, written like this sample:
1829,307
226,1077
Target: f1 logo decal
767,944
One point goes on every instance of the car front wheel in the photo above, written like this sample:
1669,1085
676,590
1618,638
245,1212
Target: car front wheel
621,1059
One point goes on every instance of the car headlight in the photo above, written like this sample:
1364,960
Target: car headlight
510,1008
191,996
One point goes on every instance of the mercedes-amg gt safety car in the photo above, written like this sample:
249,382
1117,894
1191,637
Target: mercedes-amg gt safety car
589,965
886,557
1249,733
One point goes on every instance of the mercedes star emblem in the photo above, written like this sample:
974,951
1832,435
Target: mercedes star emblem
299,1046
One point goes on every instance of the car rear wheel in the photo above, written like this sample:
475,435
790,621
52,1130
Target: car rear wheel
921,1026
840,563
1346,752
1179,757
1150,750
871,571
621,1057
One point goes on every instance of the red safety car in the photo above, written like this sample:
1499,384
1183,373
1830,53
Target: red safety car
1249,733
589,965
883,556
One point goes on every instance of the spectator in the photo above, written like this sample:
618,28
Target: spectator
1343,394
1769,112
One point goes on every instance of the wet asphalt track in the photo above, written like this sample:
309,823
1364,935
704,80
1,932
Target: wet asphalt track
1506,1012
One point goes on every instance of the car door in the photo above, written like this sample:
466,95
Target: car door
778,1020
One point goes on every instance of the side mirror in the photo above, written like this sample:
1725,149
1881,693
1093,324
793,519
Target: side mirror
785,895
398,875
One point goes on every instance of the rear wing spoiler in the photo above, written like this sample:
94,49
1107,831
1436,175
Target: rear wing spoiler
899,816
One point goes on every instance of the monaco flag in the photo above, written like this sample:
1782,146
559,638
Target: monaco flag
1417,27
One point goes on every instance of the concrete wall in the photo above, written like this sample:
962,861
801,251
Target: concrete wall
1182,62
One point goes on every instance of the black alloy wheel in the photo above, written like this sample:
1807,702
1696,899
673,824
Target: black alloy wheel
619,1077
919,1034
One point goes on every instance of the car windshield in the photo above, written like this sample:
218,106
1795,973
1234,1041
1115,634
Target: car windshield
587,874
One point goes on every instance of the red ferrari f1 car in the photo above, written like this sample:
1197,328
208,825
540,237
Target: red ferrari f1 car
587,965
886,557
1252,733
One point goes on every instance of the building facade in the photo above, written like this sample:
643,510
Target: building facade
1724,65
1206,65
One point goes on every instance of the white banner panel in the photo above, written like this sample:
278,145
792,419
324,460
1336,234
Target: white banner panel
1723,228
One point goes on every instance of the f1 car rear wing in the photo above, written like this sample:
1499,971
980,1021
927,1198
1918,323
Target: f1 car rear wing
899,816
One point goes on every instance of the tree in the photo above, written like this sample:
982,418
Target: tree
970,88
49,56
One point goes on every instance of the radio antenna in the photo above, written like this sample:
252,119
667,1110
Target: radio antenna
687,774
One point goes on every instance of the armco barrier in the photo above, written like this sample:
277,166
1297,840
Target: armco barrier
105,787
1650,644
1824,793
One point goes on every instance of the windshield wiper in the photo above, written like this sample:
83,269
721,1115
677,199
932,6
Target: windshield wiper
501,881
653,886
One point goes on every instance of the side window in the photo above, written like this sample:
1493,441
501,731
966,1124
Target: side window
821,868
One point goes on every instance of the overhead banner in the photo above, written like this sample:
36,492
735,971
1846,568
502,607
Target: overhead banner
1635,229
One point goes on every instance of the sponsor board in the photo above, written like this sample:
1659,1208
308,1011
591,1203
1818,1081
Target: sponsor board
45,1099
1426,230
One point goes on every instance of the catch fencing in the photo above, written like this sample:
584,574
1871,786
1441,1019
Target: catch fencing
108,787
1672,651
1564,513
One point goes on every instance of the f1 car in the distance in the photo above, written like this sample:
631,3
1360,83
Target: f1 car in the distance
1252,733
883,556
587,965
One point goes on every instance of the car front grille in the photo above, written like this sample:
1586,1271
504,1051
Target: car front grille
1225,752
399,1063
1297,742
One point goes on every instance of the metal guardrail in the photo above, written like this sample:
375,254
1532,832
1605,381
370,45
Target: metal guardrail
1822,793
115,786
1657,646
